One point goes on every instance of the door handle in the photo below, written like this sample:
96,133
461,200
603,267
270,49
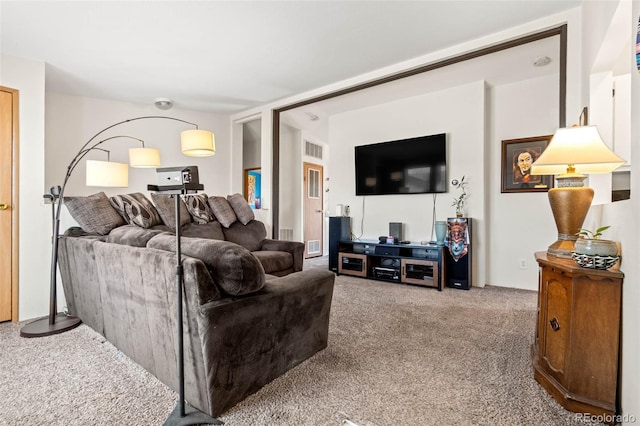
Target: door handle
555,325
4,206
318,211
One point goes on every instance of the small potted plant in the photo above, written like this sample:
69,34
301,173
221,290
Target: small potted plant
461,199
590,251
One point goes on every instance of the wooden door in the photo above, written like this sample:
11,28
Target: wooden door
8,201
313,217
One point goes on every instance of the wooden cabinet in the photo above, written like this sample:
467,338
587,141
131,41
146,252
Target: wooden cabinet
576,348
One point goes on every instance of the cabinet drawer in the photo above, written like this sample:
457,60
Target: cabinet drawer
556,333
352,264
421,272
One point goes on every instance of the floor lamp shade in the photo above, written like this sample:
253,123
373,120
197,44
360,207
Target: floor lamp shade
144,157
107,174
198,143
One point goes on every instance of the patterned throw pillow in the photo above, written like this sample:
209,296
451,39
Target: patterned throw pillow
222,210
94,213
136,209
241,208
166,206
199,208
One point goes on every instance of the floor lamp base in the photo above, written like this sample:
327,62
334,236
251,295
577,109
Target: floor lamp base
192,417
42,328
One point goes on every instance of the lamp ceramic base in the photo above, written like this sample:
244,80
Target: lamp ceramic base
562,248
42,328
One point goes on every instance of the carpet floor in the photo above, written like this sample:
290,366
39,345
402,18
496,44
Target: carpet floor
397,355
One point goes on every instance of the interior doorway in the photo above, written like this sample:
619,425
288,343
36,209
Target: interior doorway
8,203
313,211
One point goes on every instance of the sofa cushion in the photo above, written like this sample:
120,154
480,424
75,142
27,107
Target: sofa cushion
94,213
274,261
198,208
136,209
241,208
222,210
232,267
166,207
131,235
210,231
249,236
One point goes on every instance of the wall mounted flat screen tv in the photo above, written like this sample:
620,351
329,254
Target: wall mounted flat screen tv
408,166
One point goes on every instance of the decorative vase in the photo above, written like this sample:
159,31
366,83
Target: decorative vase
458,213
441,232
596,247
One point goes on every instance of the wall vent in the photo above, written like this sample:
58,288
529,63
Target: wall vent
286,234
313,150
313,247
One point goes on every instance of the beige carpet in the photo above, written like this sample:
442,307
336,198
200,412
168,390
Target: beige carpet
397,355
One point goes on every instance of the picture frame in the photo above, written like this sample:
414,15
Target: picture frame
252,187
517,157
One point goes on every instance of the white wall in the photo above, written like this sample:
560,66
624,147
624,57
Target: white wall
251,144
35,218
460,113
291,180
519,223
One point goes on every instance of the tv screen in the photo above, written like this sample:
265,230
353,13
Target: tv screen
408,166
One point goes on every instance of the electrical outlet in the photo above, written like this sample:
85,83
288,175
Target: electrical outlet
523,263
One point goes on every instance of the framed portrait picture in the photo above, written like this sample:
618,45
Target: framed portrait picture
517,157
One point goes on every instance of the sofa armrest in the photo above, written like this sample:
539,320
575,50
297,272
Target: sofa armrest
295,248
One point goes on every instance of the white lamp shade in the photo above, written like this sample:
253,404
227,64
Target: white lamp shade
107,173
581,147
144,157
198,143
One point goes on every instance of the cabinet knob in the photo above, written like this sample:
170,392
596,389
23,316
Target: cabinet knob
555,326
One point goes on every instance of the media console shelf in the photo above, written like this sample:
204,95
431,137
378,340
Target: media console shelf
399,263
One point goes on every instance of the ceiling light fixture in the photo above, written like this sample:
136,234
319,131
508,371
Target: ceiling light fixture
541,61
312,116
163,103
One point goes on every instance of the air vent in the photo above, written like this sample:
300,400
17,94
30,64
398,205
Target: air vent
286,234
313,150
313,246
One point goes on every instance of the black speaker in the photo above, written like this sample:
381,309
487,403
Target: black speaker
339,229
457,253
396,231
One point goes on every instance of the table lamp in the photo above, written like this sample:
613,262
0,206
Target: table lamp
572,152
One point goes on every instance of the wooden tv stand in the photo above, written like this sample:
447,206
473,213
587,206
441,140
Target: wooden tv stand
399,263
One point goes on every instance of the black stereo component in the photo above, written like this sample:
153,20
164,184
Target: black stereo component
339,230
396,231
388,250
385,273
457,253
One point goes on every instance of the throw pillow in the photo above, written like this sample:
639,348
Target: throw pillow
241,208
167,210
94,213
199,208
222,210
231,266
136,209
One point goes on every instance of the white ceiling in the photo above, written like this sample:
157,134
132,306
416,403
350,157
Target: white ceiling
225,57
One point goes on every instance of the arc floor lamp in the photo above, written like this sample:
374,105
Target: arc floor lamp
194,142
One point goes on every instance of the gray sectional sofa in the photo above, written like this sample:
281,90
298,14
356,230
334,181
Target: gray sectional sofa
243,327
